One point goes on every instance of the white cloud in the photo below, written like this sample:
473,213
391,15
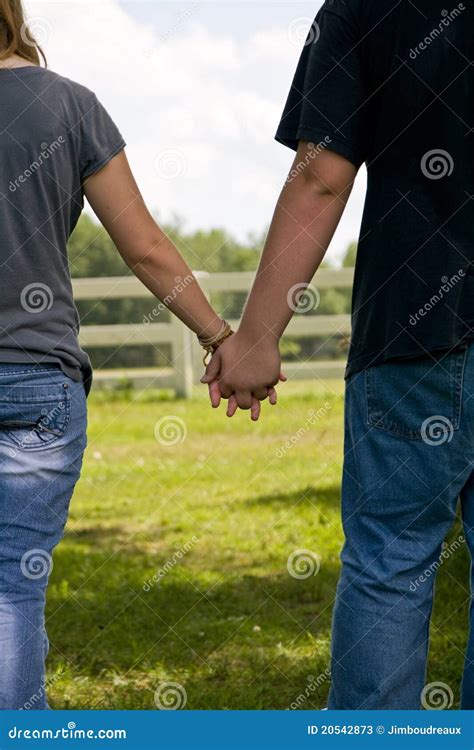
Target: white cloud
206,96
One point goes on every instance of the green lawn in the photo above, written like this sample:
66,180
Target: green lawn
215,518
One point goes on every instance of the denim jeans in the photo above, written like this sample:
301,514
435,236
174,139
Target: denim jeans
42,440
409,457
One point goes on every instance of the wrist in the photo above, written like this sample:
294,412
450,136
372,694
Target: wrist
211,343
258,336
212,329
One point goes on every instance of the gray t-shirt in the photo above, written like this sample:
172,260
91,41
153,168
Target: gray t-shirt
54,134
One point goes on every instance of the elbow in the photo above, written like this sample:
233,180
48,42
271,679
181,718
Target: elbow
325,174
324,183
315,184
146,251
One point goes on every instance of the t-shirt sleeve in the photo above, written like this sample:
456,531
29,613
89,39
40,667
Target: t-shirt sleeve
327,98
101,140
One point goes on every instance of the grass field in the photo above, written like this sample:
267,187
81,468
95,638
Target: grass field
174,567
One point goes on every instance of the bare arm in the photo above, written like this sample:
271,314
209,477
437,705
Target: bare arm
116,199
306,217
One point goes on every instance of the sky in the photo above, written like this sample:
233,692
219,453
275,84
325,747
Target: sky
197,90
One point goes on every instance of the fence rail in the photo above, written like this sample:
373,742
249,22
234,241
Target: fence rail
186,353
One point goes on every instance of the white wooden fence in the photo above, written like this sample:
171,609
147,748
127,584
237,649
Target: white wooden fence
186,352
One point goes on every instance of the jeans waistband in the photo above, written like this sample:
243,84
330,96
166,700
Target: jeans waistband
9,370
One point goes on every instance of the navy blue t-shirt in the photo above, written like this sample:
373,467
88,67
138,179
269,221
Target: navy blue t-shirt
54,134
390,83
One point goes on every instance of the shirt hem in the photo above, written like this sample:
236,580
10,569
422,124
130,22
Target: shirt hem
14,357
97,166
372,359
288,138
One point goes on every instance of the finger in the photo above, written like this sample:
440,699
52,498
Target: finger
244,399
283,377
214,394
272,396
261,394
255,410
232,406
213,369
226,390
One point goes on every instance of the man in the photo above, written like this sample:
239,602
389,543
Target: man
389,83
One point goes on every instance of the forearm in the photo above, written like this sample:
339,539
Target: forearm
145,248
305,219
164,272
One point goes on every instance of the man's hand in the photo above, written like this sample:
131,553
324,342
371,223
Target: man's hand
245,372
246,367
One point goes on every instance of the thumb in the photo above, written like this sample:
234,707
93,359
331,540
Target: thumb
212,370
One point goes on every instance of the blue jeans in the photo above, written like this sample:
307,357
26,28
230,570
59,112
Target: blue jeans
409,457
42,440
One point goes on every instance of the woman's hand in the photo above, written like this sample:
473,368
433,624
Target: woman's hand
245,372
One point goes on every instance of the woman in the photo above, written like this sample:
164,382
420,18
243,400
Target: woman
57,145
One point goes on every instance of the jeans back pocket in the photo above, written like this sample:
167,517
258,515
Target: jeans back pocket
417,399
33,417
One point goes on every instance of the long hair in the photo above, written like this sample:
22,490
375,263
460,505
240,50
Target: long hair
15,36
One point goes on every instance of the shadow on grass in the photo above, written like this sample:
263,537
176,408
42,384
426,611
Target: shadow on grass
329,497
235,641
